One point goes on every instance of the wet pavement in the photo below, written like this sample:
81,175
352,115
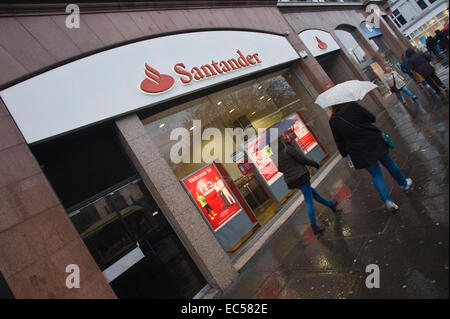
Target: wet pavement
410,247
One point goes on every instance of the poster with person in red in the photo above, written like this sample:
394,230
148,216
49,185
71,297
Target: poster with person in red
212,196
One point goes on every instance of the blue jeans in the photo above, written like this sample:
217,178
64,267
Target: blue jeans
309,193
378,181
407,92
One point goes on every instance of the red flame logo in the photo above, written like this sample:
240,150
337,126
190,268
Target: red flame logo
156,82
320,44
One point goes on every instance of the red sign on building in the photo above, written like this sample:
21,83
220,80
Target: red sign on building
212,196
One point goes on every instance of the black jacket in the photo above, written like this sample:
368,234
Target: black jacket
292,164
419,62
365,145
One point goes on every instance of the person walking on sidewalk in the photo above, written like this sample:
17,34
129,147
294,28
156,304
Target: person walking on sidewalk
420,63
292,164
397,84
420,80
355,135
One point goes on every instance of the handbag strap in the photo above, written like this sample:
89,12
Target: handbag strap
349,123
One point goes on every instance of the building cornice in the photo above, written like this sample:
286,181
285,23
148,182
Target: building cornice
302,4
30,9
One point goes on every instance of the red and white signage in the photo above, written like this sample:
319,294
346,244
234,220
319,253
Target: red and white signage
303,136
261,158
156,82
212,196
318,42
111,83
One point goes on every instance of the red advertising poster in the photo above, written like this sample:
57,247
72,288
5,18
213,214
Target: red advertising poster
304,137
212,196
261,159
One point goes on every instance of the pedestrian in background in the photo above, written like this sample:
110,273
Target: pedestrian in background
441,40
420,80
397,85
419,62
355,135
292,164
431,44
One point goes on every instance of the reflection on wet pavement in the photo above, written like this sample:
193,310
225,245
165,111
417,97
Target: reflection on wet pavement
410,247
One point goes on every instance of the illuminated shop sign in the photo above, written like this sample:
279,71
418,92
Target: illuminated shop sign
111,83
156,82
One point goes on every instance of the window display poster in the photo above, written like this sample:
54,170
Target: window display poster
304,137
212,196
261,159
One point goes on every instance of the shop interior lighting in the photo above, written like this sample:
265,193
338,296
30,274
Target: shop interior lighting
192,128
231,110
259,87
261,97
162,125
220,102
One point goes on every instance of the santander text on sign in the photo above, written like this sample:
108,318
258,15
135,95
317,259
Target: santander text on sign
215,68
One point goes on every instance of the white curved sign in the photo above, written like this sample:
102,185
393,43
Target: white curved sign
138,75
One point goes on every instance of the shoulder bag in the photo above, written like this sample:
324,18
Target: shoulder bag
394,87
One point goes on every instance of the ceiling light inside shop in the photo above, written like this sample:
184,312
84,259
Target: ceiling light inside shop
192,128
162,125
261,97
269,99
259,87
220,102
231,110
253,113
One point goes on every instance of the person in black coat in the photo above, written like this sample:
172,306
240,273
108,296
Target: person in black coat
356,136
292,163
420,63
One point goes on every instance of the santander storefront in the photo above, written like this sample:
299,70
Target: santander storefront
188,90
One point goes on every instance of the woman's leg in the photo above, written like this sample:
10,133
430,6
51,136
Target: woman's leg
378,181
307,193
393,169
399,96
408,92
319,198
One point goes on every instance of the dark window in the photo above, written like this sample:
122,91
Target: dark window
401,19
396,22
84,164
422,4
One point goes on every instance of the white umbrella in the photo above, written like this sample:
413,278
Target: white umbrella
349,91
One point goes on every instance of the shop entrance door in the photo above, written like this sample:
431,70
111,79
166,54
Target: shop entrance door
135,247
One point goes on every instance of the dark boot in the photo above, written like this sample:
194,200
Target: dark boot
317,229
333,206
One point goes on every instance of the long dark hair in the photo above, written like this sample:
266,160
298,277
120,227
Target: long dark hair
338,109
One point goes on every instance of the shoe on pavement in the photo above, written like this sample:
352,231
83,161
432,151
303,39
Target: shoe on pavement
317,229
408,184
333,206
391,206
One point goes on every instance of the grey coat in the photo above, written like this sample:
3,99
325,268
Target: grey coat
292,164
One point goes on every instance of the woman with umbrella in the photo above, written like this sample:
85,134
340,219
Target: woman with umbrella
356,136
